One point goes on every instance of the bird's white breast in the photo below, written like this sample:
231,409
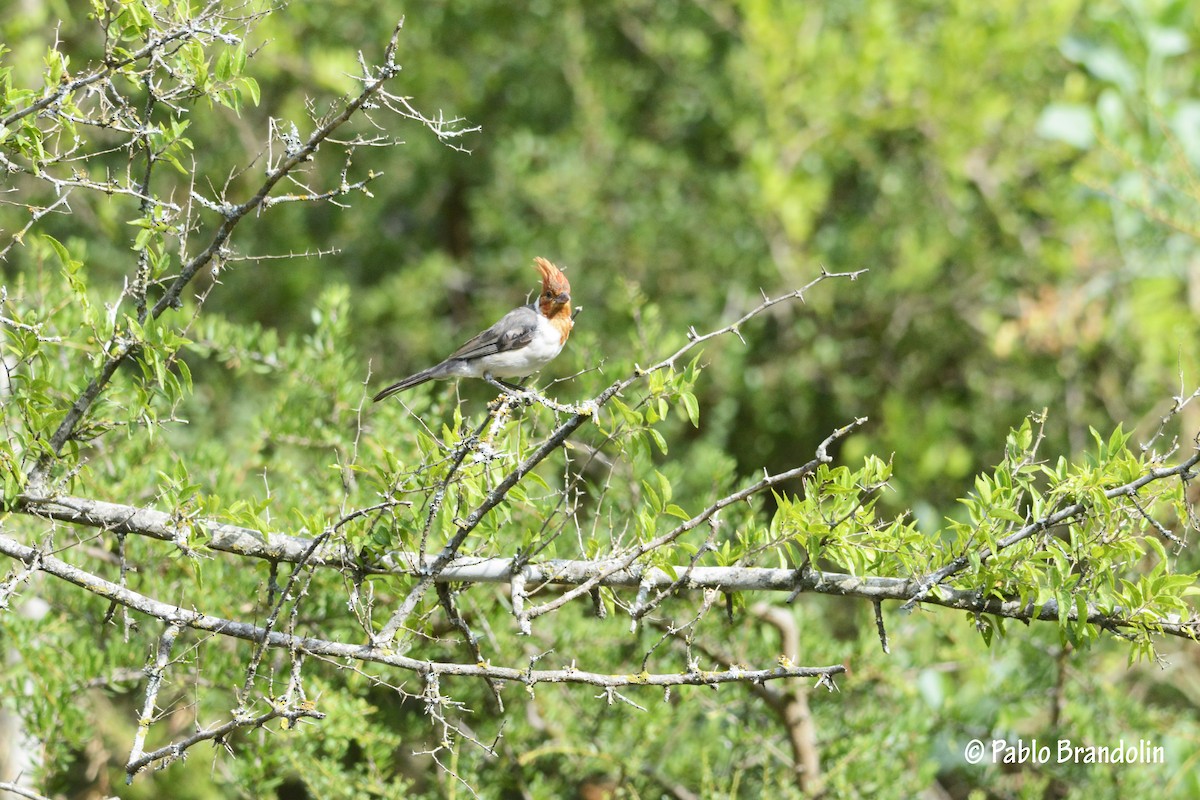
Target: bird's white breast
546,344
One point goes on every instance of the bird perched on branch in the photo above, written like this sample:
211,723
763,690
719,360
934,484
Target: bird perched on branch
521,343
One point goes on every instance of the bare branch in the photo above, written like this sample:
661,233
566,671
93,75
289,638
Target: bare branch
155,674
35,215
613,573
381,655
217,733
21,791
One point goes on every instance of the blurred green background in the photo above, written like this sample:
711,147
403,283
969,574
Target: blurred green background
1019,178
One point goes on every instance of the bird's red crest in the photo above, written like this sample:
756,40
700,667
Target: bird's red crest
555,299
552,278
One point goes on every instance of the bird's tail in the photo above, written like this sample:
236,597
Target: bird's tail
407,383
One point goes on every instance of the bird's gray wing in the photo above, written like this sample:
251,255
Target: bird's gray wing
515,329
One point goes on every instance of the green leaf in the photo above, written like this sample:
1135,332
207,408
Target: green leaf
692,407
656,503
1007,514
251,87
676,511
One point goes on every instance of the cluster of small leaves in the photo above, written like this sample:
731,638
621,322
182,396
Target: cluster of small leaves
834,523
43,313
1108,552
634,425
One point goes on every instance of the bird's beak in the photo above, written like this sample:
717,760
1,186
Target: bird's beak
563,299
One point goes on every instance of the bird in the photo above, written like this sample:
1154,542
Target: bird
522,342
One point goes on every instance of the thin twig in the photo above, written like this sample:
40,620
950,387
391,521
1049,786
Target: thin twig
155,674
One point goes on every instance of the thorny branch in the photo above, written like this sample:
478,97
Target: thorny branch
613,572
34,216
446,599
217,733
197,620
155,675
111,65
690,524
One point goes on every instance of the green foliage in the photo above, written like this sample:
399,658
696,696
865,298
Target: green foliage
1110,557
1004,171
834,524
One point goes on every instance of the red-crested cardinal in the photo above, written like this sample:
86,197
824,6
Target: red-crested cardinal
522,342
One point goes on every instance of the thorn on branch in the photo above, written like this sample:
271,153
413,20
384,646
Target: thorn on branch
883,637
827,681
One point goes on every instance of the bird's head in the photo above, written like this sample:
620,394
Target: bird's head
556,289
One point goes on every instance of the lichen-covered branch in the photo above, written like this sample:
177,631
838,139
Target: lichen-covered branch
618,573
